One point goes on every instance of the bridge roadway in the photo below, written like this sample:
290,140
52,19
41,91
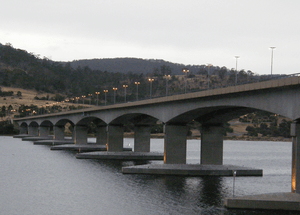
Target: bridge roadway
211,108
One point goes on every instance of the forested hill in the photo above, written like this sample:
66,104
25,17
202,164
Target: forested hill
134,65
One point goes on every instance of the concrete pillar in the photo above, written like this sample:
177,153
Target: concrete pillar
34,131
212,144
175,144
23,130
115,138
44,131
142,138
81,133
59,132
295,133
101,135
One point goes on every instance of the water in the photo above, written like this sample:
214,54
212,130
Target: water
36,180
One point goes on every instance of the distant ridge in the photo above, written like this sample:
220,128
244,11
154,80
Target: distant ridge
134,65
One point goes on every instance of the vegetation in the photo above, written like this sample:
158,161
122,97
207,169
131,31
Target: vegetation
266,124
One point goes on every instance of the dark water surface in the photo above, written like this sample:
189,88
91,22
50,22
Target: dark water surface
36,180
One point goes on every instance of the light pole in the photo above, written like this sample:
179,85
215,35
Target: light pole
137,83
236,60
151,80
97,93
90,95
115,89
167,77
186,72
105,91
125,86
272,48
77,98
83,99
208,78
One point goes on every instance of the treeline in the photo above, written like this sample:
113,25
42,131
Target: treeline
266,124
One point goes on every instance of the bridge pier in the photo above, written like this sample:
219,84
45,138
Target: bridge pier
142,138
212,144
81,133
295,133
101,135
44,131
175,144
23,130
33,131
59,132
115,138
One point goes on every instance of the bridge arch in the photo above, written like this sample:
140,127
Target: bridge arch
211,115
134,118
23,128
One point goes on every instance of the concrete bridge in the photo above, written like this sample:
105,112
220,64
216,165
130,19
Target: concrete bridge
211,108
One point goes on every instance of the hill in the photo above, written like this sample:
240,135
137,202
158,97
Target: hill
134,65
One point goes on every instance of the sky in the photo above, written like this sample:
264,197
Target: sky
194,32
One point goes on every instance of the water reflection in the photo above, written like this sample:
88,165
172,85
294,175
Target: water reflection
211,191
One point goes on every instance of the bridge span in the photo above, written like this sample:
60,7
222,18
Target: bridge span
211,108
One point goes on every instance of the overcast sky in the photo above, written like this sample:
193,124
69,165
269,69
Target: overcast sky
179,31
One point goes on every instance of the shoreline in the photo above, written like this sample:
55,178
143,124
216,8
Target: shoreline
241,138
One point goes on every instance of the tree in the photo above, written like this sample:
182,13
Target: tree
284,128
251,131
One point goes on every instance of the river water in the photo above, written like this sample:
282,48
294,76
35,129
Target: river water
36,180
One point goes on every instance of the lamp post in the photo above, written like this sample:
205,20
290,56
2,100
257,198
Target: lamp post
167,77
137,83
105,91
115,89
77,98
83,99
186,72
236,60
272,48
208,78
97,93
90,95
151,80
125,86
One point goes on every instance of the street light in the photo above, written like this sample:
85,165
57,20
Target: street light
83,99
186,72
167,77
105,91
236,60
208,78
77,98
137,83
272,48
125,86
151,80
90,95
115,89
97,93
